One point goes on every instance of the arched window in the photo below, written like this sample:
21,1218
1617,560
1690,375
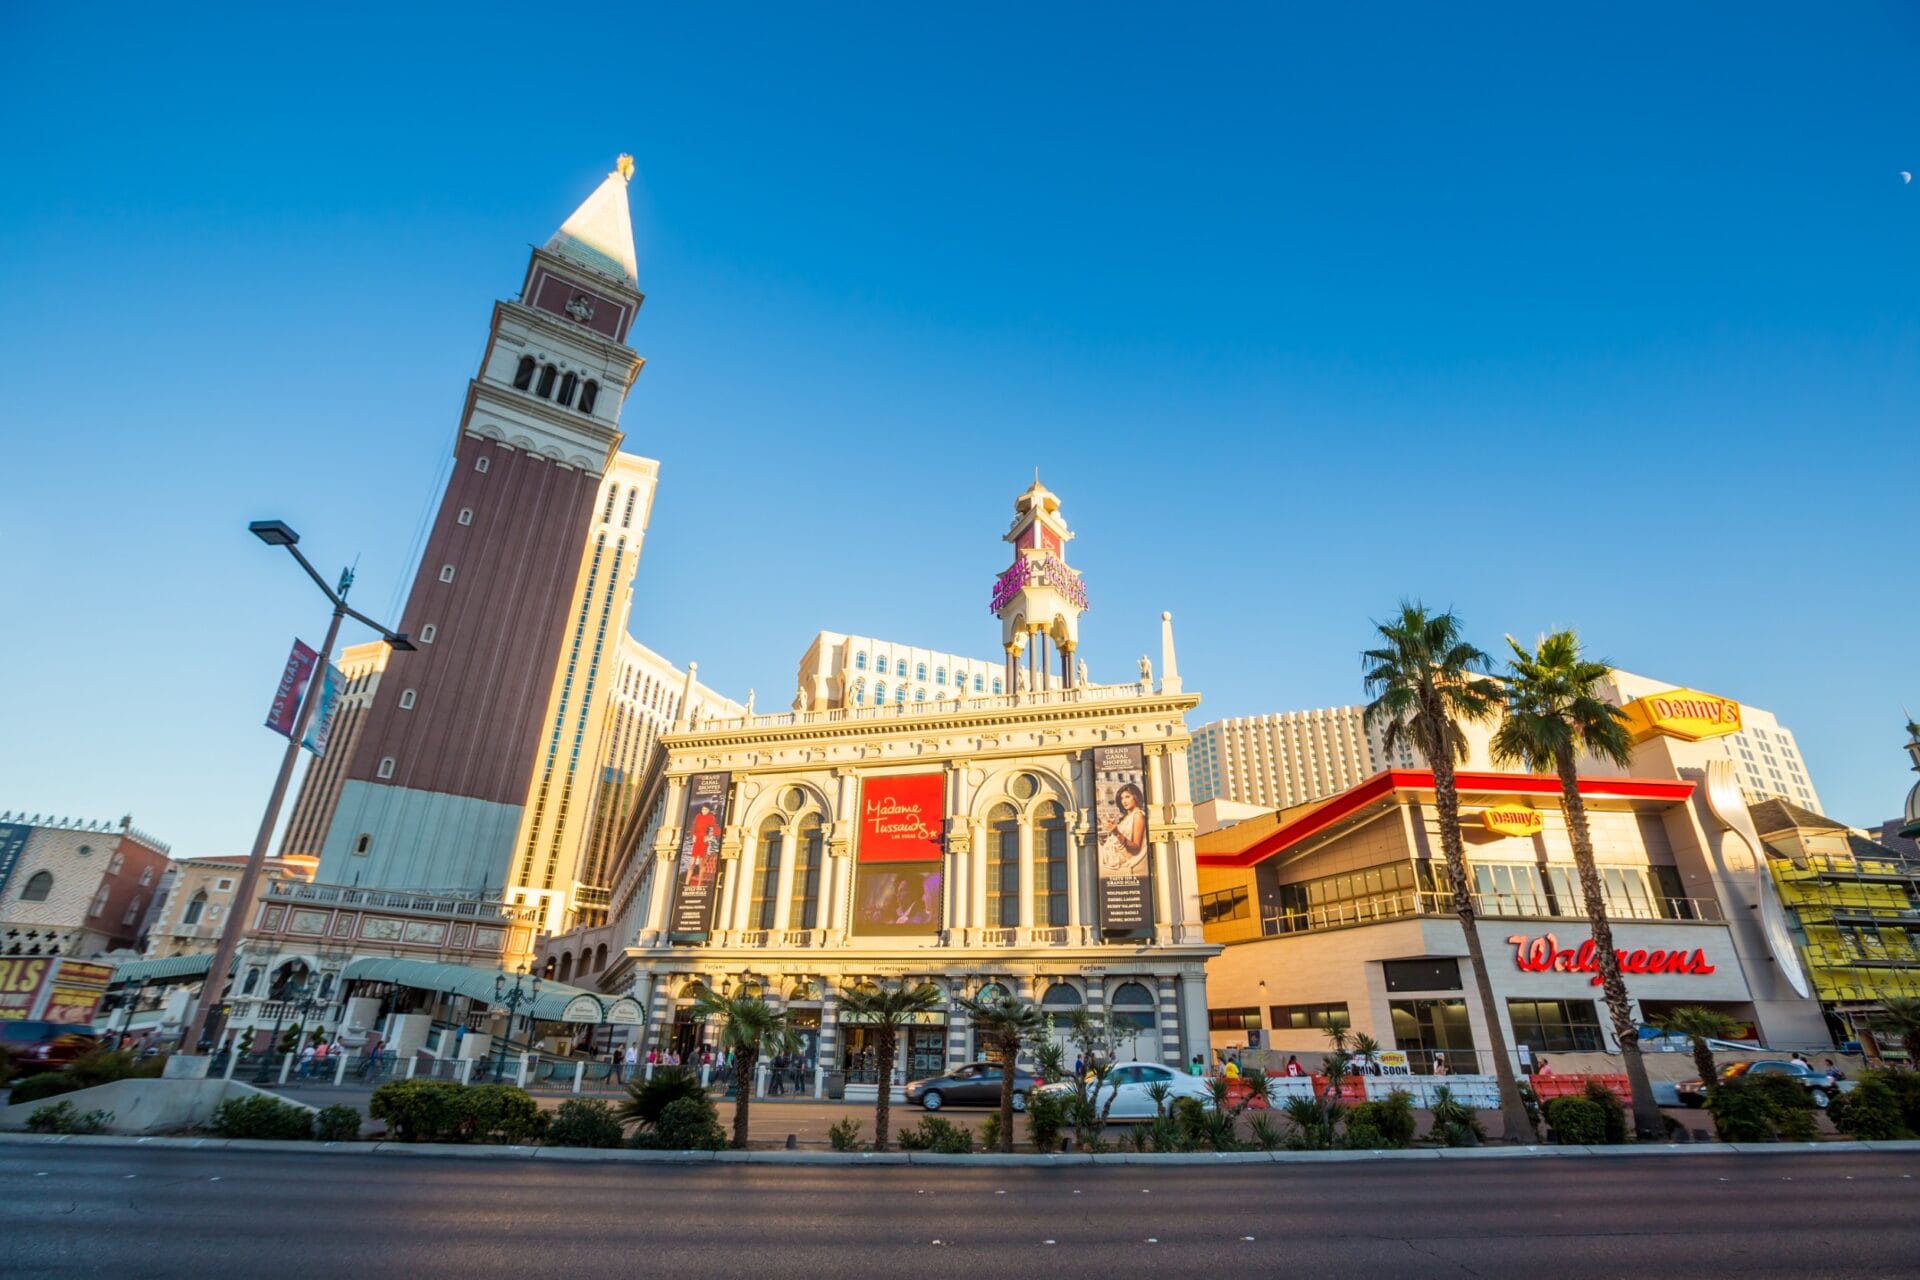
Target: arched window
939,675
114,863
1050,866
900,666
978,687
859,662
600,957
195,909
996,685
879,693
39,885
1060,996
523,376
1132,1007
900,695
589,395
804,911
992,992
566,966
547,374
1003,867
919,695
880,664
766,887
567,384
253,981
920,671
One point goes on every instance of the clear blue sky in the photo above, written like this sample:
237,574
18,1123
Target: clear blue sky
1605,319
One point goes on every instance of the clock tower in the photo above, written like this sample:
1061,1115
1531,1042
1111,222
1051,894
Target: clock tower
438,781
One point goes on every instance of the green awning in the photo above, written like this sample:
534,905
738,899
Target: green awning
187,966
477,984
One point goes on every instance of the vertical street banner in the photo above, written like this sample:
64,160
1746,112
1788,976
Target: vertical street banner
13,842
1120,821
901,855
320,728
698,865
284,713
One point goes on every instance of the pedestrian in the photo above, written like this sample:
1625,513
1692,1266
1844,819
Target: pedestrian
306,1062
1293,1066
1079,1066
1439,1064
1198,1067
1801,1058
632,1056
1232,1071
1542,1069
371,1062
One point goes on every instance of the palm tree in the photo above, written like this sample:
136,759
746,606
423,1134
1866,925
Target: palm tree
1007,1023
1426,681
1699,1025
1903,1015
750,1027
886,1010
1553,716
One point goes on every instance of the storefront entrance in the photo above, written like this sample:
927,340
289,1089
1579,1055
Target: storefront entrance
1435,1033
921,1052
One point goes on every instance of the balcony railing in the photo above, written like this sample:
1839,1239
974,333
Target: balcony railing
433,904
1093,693
1492,906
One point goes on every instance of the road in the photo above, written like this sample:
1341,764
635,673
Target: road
125,1211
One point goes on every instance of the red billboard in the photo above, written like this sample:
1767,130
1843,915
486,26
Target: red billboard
901,818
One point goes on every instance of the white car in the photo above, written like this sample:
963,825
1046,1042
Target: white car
1127,1086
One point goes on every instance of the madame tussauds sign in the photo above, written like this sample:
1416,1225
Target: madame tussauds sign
1543,954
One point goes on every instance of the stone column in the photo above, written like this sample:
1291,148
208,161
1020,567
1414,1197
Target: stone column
1076,847
1193,1017
1026,877
740,893
1163,921
783,903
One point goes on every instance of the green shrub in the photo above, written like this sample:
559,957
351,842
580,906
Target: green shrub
844,1135
61,1117
497,1113
584,1122
1616,1111
337,1124
688,1124
417,1110
1455,1124
1870,1111
45,1084
1313,1122
1046,1119
1264,1133
1762,1109
1793,1111
1906,1089
1362,1136
261,1115
1391,1118
943,1137
1577,1122
647,1099
990,1131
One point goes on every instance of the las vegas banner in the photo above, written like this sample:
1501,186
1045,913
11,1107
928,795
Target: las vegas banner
698,865
1120,822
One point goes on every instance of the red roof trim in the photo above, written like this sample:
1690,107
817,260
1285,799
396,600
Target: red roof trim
1382,785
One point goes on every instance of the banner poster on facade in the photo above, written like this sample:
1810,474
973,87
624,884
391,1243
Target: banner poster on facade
21,980
77,989
1120,817
699,862
898,888
13,842
320,728
284,713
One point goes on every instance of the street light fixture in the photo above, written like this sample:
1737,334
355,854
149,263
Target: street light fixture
276,533
511,1001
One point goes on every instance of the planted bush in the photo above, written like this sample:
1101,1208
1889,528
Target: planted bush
1455,1124
844,1135
1391,1118
1870,1111
337,1124
687,1124
45,1084
1616,1111
497,1113
1046,1119
261,1115
935,1134
64,1117
1763,1109
417,1110
584,1122
1577,1122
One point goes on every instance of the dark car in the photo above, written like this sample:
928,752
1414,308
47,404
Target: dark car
977,1084
1820,1085
45,1044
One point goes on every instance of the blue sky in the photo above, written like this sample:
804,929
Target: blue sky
1603,318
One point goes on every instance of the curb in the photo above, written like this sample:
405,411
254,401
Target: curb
587,1155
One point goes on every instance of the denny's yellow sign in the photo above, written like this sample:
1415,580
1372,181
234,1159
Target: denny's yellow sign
1686,714
1513,820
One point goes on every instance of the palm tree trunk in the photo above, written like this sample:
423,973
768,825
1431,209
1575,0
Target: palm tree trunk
1513,1115
744,1059
1646,1116
883,1096
1703,1063
1009,1051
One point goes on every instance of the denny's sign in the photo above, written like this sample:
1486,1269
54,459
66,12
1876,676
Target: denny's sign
1686,714
1513,820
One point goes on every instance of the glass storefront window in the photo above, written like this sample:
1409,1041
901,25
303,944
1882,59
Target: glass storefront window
1425,1028
1556,1026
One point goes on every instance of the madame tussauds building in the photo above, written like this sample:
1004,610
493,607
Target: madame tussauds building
1337,913
1039,842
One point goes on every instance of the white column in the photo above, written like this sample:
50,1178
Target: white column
783,905
977,907
839,871
747,865
1164,923
1075,917
1026,874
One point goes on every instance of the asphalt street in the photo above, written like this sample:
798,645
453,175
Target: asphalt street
123,1211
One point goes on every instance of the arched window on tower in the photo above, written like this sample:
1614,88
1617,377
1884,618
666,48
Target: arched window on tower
567,384
920,671
859,662
996,684
939,675
900,667
919,695
1003,867
766,886
589,395
39,885
1050,866
977,688
523,376
900,695
804,911
879,693
195,909
545,391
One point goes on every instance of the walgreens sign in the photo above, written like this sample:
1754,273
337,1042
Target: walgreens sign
1543,954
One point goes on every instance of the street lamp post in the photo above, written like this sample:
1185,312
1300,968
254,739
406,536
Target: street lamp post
511,1001
275,533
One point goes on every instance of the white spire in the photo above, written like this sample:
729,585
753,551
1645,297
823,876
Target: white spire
1169,669
599,235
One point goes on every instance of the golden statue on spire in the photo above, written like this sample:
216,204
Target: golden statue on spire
624,166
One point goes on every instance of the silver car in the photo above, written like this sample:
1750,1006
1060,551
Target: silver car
1127,1088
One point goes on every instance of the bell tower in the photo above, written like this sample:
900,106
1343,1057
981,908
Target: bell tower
1039,599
